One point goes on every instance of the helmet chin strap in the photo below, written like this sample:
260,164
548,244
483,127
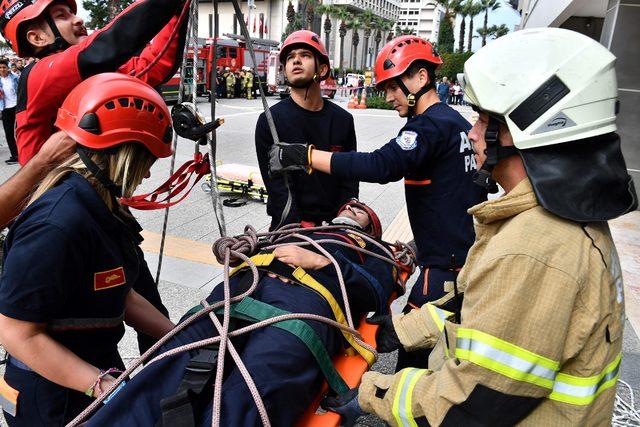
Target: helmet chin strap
412,98
58,44
494,152
99,174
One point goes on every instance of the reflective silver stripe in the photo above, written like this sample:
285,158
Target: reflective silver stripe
7,406
85,323
509,360
584,394
402,404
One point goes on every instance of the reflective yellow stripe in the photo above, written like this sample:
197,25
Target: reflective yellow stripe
265,259
438,315
584,390
403,400
505,358
305,279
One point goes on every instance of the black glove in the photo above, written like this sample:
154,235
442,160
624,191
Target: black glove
346,405
386,337
284,157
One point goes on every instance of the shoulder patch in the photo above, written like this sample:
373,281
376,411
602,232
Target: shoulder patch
359,240
407,140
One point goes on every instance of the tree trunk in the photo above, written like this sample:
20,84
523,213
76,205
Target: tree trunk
486,22
470,34
364,51
463,25
341,52
327,31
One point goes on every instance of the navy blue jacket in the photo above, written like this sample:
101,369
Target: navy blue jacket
435,157
70,263
318,196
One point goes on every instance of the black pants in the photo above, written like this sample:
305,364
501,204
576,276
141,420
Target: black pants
9,124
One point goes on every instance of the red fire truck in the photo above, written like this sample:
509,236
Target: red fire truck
232,52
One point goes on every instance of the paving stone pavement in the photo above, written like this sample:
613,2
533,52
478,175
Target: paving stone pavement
185,281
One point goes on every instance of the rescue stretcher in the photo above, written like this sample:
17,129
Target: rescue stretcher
243,181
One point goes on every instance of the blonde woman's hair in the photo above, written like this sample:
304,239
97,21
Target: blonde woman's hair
126,165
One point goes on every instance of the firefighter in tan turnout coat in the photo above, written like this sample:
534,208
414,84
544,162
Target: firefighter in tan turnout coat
540,337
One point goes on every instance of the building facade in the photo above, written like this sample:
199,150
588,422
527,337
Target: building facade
614,23
422,17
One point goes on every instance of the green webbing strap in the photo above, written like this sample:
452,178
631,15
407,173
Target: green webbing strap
255,311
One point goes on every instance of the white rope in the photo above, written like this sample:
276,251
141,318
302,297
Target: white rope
625,412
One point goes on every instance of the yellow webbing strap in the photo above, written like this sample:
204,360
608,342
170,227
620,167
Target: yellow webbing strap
303,278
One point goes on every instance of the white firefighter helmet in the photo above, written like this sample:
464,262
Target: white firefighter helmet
549,85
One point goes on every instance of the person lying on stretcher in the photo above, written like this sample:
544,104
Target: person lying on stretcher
287,374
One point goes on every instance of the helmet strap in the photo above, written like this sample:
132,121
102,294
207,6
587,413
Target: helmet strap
99,174
494,152
58,44
412,98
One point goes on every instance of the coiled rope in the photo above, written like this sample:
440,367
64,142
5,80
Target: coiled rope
232,251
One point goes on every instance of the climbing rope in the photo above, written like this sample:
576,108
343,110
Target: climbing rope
625,411
233,251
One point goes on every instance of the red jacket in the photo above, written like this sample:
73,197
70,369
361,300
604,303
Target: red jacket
123,46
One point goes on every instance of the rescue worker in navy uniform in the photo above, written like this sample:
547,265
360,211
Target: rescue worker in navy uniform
286,374
51,31
305,117
540,340
434,156
72,257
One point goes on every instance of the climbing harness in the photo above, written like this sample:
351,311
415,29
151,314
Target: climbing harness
249,253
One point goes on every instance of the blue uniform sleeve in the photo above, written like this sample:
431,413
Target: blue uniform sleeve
39,271
389,163
349,188
276,187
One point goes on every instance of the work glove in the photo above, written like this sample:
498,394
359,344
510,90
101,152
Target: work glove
386,337
285,157
346,405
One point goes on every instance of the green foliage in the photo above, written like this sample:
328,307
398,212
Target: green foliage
453,63
102,11
378,102
446,38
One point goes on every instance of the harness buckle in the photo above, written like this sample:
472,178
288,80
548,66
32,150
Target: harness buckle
411,100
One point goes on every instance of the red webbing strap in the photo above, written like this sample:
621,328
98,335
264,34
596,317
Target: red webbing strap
175,185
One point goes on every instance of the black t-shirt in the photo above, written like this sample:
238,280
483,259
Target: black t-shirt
433,154
70,263
316,197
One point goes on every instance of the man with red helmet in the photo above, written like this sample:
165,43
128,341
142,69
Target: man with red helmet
51,31
434,156
73,257
305,118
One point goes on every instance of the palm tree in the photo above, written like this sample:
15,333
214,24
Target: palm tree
343,16
381,25
310,15
486,6
473,11
329,11
500,31
463,10
367,17
354,25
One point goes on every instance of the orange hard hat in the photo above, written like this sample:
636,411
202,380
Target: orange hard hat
396,57
304,38
110,109
13,13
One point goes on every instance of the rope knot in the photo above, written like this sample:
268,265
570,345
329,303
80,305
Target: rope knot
245,244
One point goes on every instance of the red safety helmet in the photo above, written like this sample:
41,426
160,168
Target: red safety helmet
14,13
375,227
396,57
306,39
110,109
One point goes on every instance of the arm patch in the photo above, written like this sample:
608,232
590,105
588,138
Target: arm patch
407,140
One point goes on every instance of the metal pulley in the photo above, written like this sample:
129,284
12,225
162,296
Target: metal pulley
188,123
